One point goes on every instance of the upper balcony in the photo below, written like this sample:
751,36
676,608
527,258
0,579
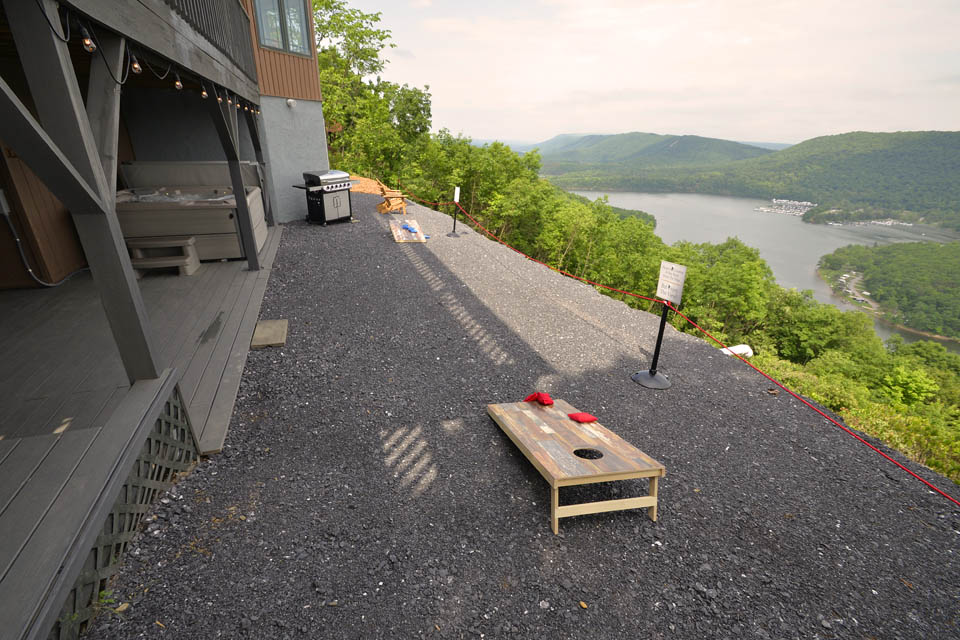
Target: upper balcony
210,38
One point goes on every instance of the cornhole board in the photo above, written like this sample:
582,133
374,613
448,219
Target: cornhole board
402,235
549,440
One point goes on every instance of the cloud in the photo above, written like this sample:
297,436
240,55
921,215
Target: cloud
771,69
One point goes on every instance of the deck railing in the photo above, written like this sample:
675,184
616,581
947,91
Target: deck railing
226,24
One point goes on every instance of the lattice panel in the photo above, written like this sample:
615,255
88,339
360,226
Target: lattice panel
169,451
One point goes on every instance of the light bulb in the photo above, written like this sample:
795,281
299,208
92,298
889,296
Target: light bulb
88,43
135,64
238,104
246,108
178,84
229,100
219,98
203,92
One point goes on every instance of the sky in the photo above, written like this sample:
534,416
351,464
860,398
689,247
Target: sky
748,70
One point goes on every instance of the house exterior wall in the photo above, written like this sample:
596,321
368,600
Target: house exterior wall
170,125
283,74
295,141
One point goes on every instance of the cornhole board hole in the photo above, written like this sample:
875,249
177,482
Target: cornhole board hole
402,235
568,453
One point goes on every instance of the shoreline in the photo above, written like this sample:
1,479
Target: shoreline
878,313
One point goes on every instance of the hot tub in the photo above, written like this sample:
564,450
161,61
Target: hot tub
209,214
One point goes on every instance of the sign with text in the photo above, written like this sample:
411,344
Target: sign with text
670,285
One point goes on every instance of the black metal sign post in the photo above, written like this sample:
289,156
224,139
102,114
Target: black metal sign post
456,212
651,378
669,288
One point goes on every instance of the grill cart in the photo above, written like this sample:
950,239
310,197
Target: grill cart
328,196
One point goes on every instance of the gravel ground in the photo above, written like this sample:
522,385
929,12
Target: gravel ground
364,492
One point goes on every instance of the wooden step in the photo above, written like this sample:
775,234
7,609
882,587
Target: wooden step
155,242
188,265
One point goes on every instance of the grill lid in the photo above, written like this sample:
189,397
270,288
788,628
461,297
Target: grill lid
319,178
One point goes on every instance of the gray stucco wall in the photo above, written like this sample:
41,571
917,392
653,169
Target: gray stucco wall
295,141
170,125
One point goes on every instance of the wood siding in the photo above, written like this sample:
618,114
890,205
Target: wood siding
280,74
44,226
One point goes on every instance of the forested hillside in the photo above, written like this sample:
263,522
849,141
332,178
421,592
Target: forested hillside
916,284
909,396
631,151
908,175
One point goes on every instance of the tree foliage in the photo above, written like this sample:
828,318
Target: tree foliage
917,284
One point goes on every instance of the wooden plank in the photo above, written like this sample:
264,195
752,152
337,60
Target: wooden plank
199,359
180,333
6,448
218,418
16,470
403,235
603,506
33,590
269,333
19,520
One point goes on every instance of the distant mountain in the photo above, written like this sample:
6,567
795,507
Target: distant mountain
908,175
773,146
636,150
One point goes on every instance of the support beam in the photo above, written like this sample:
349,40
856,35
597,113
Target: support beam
225,122
53,87
21,132
69,153
267,177
103,95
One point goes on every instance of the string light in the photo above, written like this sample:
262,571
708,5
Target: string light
88,43
203,92
219,97
177,84
246,108
229,99
135,64
238,104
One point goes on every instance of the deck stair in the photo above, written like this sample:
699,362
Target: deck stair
187,260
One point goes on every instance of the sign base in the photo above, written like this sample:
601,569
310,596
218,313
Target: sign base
453,234
651,380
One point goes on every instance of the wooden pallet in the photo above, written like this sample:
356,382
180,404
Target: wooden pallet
555,444
402,235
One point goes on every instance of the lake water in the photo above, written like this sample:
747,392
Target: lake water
790,246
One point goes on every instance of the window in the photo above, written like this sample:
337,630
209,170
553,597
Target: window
282,24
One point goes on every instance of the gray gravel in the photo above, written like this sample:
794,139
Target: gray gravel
364,492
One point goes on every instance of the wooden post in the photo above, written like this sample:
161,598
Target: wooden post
68,151
225,122
103,101
268,196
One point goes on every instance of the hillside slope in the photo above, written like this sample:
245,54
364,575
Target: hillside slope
865,175
637,150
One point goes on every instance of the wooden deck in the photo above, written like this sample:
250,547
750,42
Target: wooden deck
71,425
61,370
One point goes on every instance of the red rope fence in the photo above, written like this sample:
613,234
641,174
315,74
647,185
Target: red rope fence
806,402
